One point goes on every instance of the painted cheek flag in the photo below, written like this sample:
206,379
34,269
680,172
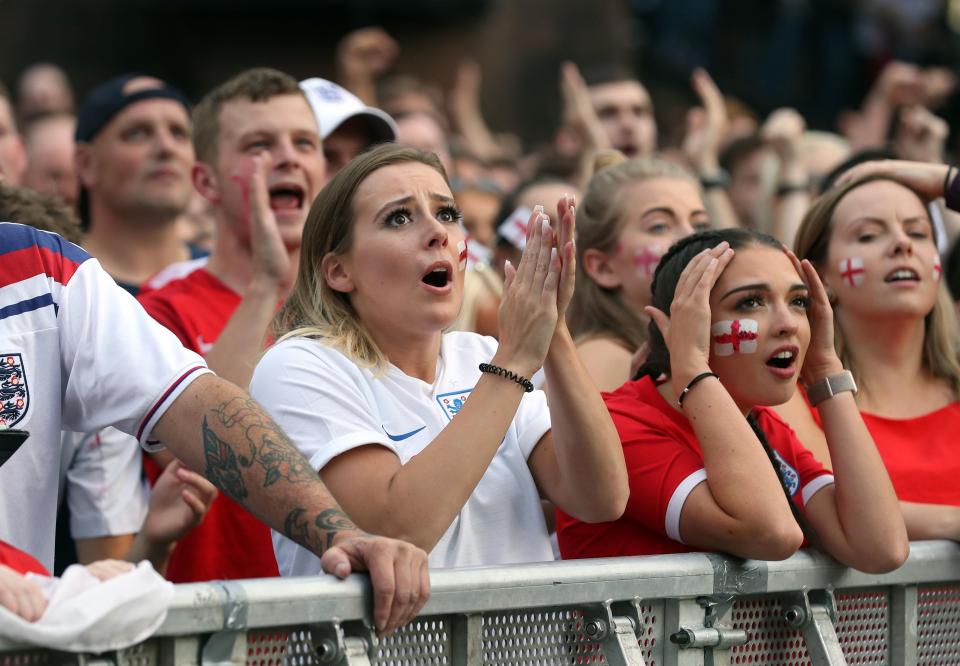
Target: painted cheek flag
852,272
734,337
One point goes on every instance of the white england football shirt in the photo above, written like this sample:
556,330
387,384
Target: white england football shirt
328,405
77,353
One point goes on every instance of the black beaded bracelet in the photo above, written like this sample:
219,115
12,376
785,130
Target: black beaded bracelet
693,382
507,374
951,189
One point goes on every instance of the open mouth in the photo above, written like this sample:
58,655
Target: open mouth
903,275
437,277
783,359
286,197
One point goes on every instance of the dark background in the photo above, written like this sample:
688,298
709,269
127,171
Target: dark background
816,55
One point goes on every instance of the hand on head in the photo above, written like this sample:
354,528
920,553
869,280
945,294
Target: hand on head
686,330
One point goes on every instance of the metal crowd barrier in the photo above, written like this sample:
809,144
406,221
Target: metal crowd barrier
668,610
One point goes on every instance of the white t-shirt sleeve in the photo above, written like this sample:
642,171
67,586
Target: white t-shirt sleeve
319,398
106,492
119,366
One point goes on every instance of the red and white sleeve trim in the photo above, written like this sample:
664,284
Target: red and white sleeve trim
818,483
677,500
176,387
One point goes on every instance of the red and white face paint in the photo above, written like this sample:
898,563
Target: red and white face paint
852,271
738,336
937,267
646,259
462,254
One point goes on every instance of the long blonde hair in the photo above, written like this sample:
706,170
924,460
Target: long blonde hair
941,329
595,311
313,309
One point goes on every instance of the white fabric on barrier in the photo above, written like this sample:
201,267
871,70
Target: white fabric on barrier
86,614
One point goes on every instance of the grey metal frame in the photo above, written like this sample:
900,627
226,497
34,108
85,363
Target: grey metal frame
667,610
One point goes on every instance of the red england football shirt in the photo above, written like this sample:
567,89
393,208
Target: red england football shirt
230,543
664,464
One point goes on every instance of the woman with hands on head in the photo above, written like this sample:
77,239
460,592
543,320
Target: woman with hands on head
736,319
432,437
872,240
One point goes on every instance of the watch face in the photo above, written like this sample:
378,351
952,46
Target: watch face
10,442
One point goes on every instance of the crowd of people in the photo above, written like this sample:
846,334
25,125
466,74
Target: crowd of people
481,352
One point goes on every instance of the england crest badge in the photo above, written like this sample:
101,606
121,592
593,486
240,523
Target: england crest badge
789,475
451,403
14,394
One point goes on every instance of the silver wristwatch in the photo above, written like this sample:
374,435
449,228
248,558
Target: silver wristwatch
828,387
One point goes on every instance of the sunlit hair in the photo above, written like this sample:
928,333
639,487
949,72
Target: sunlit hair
941,330
667,276
313,309
595,311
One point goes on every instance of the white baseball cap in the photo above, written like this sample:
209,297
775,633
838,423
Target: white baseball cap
332,105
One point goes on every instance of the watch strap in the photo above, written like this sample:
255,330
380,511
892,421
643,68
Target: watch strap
828,387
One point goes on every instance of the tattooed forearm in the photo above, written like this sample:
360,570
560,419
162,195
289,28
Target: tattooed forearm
222,464
319,536
260,442
333,521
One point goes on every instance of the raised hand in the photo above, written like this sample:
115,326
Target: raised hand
271,261
706,125
529,308
362,56
921,136
567,251
399,573
821,359
578,113
686,330
783,131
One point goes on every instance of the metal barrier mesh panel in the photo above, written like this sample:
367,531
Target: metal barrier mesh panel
650,634
274,647
556,637
863,625
421,643
538,637
33,658
938,625
772,641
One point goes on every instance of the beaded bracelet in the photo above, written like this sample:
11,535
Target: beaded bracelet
507,374
693,382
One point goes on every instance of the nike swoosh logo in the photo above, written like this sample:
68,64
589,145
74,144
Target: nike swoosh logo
400,438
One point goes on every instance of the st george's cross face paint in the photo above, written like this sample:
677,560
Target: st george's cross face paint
937,267
738,336
462,254
851,271
646,259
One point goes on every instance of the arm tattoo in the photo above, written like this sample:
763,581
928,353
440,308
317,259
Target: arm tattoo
260,442
222,467
329,522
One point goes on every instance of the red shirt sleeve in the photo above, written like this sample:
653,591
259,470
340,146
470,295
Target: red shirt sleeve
20,561
662,469
803,474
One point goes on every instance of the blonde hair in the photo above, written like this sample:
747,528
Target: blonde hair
940,324
314,309
598,312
